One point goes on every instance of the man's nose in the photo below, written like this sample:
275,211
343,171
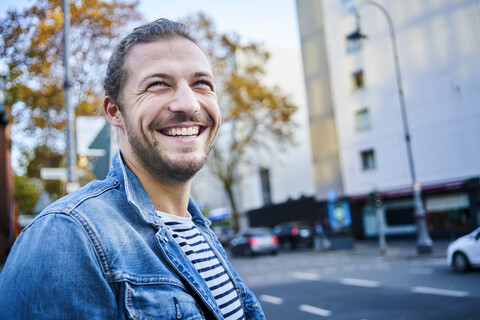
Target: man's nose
184,100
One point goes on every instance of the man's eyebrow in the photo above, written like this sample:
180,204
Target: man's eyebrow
157,75
203,74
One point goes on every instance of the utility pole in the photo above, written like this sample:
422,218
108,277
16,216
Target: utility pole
377,204
72,179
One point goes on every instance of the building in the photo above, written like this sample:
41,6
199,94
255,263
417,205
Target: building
289,174
357,130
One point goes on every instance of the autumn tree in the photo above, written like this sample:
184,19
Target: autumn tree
256,118
31,57
26,193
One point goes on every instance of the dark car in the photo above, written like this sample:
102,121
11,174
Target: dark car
224,234
294,235
254,241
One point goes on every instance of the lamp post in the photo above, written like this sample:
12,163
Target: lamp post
72,179
424,243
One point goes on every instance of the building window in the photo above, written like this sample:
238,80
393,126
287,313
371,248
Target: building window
348,6
362,119
358,79
368,159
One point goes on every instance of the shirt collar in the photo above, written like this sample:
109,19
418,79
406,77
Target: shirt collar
138,197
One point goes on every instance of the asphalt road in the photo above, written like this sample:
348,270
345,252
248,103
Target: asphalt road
352,285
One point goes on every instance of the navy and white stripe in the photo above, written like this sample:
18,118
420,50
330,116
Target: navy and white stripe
196,248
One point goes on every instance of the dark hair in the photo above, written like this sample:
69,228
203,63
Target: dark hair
116,74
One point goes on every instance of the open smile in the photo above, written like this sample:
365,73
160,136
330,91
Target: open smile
190,131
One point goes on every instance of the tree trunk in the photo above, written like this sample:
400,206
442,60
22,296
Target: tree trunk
233,206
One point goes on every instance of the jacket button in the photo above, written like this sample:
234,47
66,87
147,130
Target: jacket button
165,239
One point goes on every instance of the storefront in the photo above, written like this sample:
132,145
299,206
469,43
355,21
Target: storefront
452,210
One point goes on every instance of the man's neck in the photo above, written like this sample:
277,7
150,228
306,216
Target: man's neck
167,196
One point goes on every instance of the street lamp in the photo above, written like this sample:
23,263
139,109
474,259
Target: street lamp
424,243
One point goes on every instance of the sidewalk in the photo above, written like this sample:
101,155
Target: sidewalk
400,249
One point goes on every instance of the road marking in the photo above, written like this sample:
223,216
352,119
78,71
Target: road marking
271,299
255,278
360,282
348,268
382,266
329,270
306,276
365,267
276,276
421,270
441,292
315,310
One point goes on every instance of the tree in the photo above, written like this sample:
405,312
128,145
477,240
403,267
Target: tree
31,51
26,193
256,119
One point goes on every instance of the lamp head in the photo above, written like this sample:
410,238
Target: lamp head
356,35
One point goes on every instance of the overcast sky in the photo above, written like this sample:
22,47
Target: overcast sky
273,22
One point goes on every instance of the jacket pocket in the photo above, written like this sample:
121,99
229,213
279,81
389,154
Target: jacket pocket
160,301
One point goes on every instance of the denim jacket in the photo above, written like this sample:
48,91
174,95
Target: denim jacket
102,253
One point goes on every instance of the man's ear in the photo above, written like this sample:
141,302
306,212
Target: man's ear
112,112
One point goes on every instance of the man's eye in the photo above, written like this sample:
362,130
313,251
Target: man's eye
156,84
203,83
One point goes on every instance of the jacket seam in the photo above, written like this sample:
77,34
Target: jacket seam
100,252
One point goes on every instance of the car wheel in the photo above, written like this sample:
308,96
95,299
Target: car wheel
460,262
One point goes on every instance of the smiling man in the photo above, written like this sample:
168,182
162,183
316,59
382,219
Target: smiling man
135,245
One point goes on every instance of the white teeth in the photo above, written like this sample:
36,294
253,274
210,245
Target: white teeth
190,131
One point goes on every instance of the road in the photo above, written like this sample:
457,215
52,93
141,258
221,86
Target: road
344,285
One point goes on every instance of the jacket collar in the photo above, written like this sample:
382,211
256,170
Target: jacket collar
139,198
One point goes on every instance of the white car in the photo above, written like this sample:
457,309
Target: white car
464,253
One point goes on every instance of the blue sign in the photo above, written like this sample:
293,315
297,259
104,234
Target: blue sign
339,215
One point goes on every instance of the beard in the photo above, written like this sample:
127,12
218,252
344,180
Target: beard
182,168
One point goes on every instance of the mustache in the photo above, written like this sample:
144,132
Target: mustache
181,117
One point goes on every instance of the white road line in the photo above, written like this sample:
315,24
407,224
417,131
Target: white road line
360,282
382,266
365,267
348,268
441,292
315,310
329,270
421,270
255,278
306,276
271,299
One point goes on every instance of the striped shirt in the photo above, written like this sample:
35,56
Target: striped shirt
196,248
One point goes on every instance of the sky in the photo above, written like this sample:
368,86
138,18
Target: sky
272,22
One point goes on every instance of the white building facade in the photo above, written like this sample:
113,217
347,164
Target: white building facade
290,172
438,50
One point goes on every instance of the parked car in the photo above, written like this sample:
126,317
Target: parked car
464,253
254,241
295,234
224,234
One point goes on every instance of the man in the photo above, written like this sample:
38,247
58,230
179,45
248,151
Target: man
135,245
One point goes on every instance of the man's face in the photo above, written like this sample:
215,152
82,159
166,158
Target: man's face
169,112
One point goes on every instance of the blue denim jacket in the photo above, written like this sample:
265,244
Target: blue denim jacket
102,253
